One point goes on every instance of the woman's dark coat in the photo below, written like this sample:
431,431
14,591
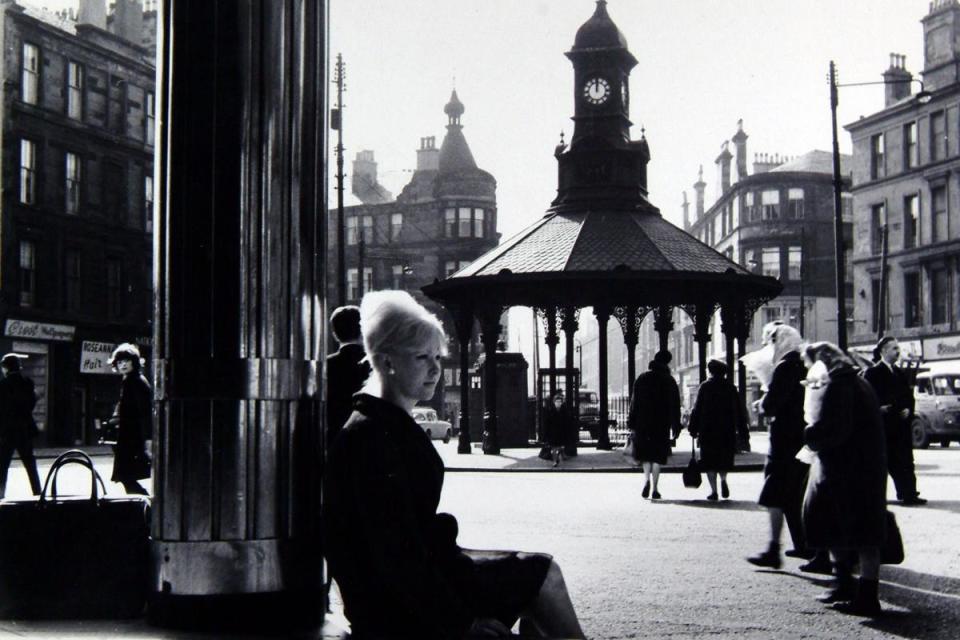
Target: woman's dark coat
784,475
134,410
400,571
846,500
557,424
718,415
654,412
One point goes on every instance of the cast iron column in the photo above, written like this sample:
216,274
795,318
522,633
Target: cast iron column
630,339
569,327
552,340
490,333
463,319
239,298
729,328
603,316
663,325
743,332
701,336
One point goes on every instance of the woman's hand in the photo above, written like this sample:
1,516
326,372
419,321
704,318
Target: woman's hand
488,628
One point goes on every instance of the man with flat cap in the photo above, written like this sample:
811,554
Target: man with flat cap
896,404
17,427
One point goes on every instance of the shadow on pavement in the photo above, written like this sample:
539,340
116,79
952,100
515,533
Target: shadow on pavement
928,614
953,506
728,505
812,578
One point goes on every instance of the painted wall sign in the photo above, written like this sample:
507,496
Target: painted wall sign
39,330
941,348
94,357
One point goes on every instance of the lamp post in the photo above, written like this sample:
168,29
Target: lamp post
922,97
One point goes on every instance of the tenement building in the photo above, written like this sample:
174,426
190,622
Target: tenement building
78,114
775,218
907,200
443,219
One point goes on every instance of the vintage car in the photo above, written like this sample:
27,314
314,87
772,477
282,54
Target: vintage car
435,429
937,415
589,405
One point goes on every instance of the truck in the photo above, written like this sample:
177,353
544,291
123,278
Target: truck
937,414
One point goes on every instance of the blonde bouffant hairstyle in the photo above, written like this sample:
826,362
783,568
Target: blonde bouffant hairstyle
393,322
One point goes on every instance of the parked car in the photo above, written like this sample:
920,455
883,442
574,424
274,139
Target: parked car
937,416
434,428
589,403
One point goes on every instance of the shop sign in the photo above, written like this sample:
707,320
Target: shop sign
94,357
31,347
39,330
942,348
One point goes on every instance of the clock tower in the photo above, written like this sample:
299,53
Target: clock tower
602,163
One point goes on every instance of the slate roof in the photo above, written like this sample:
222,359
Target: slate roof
455,152
598,241
815,161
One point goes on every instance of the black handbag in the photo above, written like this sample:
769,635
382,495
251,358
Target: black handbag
74,556
892,550
691,475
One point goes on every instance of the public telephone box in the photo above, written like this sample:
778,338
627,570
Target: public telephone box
511,400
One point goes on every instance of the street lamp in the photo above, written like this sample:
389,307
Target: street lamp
922,97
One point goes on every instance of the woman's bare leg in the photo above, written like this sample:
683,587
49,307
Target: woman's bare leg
656,475
552,612
712,479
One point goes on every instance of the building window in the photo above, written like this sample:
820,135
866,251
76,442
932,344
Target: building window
878,163
939,295
848,265
875,304
450,223
770,200
396,225
771,314
938,196
449,268
794,263
149,117
114,288
73,174
748,207
148,203
911,221
795,203
877,220
73,282
464,218
352,237
912,312
770,261
938,136
28,273
478,223
74,91
846,207
366,223
30,74
28,172
910,157
353,292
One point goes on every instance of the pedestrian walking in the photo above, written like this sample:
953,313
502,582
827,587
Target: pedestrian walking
717,418
784,475
844,509
557,420
17,426
346,369
654,415
133,416
400,570
896,399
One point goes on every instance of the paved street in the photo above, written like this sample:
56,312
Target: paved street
675,569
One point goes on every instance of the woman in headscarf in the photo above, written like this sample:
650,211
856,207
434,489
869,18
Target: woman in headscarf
718,416
784,475
844,509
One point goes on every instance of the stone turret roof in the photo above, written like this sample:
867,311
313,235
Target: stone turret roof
599,32
455,152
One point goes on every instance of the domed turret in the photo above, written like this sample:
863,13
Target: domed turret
454,109
599,32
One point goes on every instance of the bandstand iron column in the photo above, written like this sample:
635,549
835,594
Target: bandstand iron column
569,325
463,320
238,331
490,333
603,316
702,315
552,340
663,324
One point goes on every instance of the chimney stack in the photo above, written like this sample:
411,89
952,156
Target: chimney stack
941,44
93,13
363,181
896,80
686,212
723,165
740,143
428,156
699,187
128,20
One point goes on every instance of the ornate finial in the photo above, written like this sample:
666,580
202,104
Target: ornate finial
560,148
643,131
454,109
561,137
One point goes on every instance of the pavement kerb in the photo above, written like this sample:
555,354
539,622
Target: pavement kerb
745,468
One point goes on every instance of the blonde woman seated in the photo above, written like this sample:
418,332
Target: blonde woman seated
396,560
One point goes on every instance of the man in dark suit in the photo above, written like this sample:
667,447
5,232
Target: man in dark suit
17,427
346,372
896,404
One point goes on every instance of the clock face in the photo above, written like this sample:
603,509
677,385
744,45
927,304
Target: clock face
596,90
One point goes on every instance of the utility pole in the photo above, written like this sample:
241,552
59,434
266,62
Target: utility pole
361,245
336,123
838,218
882,302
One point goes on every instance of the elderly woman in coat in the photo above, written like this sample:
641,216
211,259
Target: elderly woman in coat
844,508
718,416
